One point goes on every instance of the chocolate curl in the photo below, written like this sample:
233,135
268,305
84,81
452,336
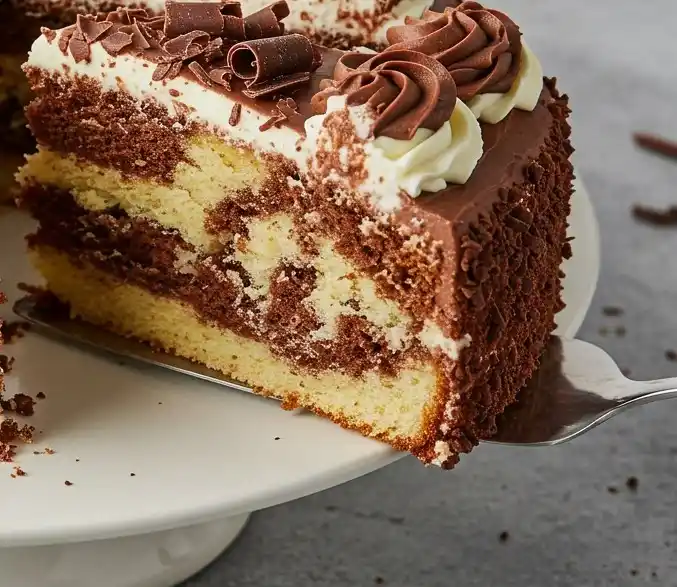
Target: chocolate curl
266,23
264,60
185,17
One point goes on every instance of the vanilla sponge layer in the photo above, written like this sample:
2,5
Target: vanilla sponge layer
397,409
215,171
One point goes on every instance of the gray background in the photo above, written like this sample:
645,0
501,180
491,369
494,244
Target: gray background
411,526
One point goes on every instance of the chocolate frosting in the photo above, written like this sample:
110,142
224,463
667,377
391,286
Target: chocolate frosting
407,90
480,47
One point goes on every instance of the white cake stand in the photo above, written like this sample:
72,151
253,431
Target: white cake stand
165,469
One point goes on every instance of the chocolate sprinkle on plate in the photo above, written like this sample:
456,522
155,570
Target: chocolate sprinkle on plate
666,217
656,144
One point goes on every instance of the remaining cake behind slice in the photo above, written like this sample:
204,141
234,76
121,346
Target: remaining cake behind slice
364,249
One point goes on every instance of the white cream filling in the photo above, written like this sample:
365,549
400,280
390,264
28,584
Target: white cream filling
523,95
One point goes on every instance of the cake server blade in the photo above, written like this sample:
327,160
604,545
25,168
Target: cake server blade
88,336
577,386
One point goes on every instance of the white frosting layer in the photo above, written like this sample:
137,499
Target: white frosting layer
523,94
427,162
338,17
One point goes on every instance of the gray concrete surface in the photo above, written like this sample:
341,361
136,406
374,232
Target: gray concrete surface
407,526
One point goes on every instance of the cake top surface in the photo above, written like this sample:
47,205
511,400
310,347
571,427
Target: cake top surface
411,112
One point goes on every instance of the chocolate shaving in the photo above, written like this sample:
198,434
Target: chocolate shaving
221,76
115,43
289,108
78,46
212,39
265,23
49,34
187,46
91,29
139,40
200,74
65,37
214,50
187,17
656,144
167,71
286,110
235,114
274,120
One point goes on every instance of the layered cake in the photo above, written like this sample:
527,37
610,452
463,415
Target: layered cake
373,236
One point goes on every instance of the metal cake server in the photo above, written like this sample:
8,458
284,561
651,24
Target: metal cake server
577,387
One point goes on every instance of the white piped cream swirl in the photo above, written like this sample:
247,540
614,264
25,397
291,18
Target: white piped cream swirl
523,95
432,159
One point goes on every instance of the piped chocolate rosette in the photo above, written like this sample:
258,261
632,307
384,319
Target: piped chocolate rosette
417,135
483,50
415,104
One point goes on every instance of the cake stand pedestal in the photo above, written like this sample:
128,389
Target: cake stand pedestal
159,559
150,474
